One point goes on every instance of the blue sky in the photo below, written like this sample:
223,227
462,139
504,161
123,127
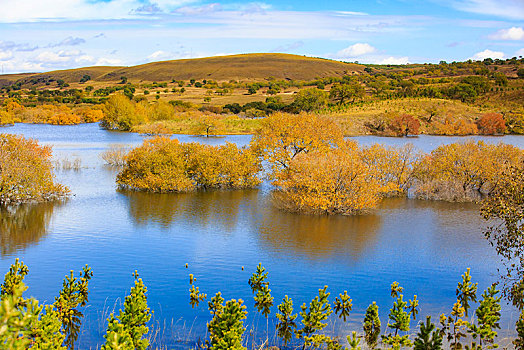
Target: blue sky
43,35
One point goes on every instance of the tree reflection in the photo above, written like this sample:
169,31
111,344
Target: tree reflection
319,236
23,225
202,208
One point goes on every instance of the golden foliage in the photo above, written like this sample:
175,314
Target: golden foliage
121,113
6,118
208,125
393,166
26,171
49,114
284,136
338,181
464,171
450,126
165,165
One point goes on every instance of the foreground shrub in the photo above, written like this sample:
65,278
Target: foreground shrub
26,324
165,165
26,171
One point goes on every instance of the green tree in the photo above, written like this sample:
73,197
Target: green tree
466,291
311,99
227,326
343,92
371,325
314,316
286,325
343,305
131,323
74,294
428,337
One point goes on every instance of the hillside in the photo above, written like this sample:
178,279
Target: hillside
221,68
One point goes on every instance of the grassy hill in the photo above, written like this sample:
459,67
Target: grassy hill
221,68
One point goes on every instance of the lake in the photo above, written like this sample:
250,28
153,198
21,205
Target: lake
424,245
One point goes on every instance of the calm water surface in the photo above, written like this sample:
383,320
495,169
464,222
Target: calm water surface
423,245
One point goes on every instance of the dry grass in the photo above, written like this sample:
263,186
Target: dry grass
115,155
68,164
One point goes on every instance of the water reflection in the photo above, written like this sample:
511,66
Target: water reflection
23,225
202,208
318,236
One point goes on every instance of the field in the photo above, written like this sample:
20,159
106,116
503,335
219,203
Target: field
238,91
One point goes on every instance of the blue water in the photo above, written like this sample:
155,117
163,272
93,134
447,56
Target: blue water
423,245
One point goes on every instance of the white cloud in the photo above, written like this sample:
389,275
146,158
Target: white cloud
69,41
59,10
503,8
159,56
394,60
358,49
479,56
108,62
513,33
520,52
6,55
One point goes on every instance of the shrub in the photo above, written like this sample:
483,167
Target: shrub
337,182
491,124
26,171
404,125
463,171
165,165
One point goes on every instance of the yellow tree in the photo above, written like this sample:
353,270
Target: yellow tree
26,172
334,182
284,136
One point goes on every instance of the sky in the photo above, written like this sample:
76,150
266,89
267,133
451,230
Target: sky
44,35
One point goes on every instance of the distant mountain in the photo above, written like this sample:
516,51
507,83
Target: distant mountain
236,67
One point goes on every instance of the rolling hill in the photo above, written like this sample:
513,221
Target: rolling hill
236,67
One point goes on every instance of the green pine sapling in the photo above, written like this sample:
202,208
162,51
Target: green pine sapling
372,326
343,305
74,293
286,325
428,337
466,291
226,327
312,317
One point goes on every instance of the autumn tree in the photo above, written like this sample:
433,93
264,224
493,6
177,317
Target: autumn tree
491,124
26,171
393,166
284,136
208,125
120,113
404,125
338,181
463,171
